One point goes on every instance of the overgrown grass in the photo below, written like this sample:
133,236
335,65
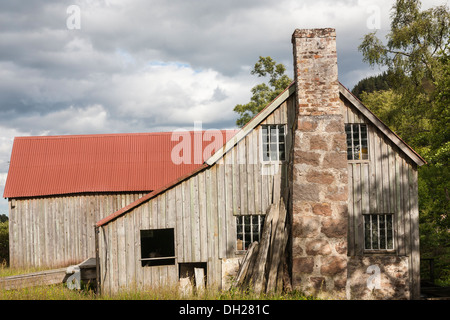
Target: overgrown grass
174,293
6,271
52,292
61,292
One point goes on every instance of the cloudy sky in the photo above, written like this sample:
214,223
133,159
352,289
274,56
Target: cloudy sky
111,66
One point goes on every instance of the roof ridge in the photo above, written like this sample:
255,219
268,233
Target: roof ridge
95,135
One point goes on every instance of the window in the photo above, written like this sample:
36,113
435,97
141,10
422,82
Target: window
357,148
273,142
378,232
157,247
248,229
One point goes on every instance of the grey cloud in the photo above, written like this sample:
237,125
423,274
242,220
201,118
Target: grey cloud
97,79
45,67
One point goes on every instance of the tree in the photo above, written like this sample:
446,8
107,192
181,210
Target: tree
417,42
263,93
3,218
385,104
417,106
4,242
371,84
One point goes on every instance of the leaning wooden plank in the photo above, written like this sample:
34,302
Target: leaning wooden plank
247,278
273,268
286,275
199,274
245,263
276,247
276,191
275,210
259,272
278,287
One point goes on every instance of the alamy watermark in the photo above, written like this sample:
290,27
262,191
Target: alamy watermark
190,150
73,21
197,146
373,22
374,280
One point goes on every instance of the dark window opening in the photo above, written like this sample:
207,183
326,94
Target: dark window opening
157,247
186,270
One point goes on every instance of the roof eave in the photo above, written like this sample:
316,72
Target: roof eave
149,196
254,122
408,150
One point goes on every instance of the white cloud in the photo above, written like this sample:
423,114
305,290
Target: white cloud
175,93
3,202
6,142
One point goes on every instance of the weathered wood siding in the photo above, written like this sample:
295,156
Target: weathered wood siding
201,210
384,184
58,231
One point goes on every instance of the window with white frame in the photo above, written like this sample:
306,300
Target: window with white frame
378,231
248,230
273,142
357,146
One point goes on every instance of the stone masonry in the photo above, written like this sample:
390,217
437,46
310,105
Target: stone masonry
319,172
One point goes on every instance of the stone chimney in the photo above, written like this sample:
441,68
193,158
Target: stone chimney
319,172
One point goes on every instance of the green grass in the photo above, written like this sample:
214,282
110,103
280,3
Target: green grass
61,292
207,294
52,292
6,271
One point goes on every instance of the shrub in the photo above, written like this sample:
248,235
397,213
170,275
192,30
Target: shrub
4,243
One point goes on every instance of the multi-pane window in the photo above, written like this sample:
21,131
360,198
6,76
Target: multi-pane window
248,230
273,142
357,148
378,232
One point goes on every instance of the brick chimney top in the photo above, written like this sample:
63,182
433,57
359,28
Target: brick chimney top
314,33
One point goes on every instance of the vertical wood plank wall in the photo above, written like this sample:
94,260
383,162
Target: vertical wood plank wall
385,184
58,231
201,210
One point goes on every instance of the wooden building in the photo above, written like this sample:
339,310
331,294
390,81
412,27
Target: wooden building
58,187
349,184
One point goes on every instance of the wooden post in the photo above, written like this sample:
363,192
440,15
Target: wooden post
97,261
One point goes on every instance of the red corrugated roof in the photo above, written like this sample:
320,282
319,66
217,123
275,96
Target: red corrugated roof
50,165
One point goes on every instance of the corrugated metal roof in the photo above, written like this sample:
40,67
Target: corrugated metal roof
50,165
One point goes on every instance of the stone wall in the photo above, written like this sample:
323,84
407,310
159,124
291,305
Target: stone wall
378,278
319,172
